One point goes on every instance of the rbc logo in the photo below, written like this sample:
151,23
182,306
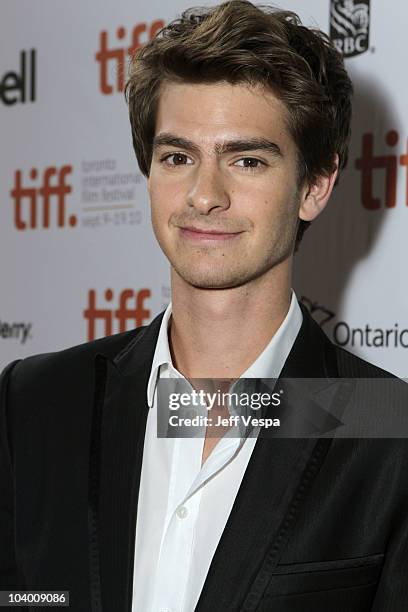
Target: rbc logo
350,26
136,313
53,188
108,54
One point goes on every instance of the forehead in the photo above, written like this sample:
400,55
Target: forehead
209,112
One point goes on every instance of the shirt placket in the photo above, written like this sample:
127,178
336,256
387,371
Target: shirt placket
186,487
178,534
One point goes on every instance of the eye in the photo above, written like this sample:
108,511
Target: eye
249,163
176,159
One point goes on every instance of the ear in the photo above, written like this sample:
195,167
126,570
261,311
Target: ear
316,195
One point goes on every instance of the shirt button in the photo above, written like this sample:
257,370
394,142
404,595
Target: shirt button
182,512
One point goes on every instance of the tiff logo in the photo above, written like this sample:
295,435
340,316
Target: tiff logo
116,55
53,188
368,163
136,313
20,87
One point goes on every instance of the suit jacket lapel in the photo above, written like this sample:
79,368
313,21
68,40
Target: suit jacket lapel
116,452
278,477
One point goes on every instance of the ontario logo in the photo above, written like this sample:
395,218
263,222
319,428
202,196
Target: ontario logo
350,26
363,336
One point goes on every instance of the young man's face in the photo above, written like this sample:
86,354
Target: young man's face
223,161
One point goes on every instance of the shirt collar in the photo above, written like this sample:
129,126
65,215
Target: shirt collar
161,355
268,364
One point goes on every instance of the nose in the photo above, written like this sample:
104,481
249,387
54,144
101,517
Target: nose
208,190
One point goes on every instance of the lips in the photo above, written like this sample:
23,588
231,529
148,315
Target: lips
206,231
195,233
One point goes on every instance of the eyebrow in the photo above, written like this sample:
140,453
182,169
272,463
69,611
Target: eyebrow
228,146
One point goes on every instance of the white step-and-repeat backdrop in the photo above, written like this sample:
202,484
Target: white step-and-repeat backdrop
78,257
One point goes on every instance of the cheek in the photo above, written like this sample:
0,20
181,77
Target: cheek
156,207
276,210
166,195
165,203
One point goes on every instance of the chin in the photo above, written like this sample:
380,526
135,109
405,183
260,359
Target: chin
213,278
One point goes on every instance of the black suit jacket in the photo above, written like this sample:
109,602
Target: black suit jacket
317,525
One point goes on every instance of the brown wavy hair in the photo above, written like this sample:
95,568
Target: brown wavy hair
239,42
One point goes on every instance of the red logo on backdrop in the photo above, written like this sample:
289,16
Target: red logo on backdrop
113,55
49,192
391,163
131,308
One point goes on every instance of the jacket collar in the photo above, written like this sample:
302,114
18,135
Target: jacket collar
138,353
312,354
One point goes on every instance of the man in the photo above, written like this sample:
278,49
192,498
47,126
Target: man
240,120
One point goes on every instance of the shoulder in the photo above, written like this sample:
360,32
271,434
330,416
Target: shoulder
76,363
375,404
47,393
350,366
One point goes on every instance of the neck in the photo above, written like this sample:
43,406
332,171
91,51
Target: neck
218,333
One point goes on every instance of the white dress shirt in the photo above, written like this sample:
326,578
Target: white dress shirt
184,506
